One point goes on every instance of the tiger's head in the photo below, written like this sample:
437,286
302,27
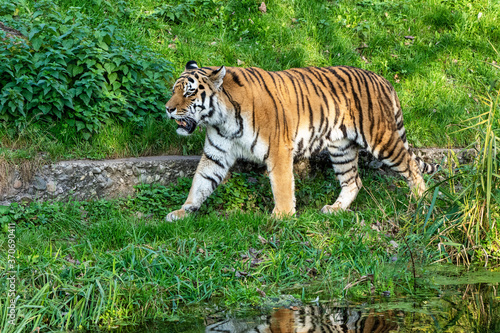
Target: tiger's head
193,100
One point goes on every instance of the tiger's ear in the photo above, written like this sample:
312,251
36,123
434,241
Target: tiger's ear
191,65
217,76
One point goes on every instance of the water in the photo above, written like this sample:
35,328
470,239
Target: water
458,301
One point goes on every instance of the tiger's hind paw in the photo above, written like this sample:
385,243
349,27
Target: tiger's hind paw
329,209
418,189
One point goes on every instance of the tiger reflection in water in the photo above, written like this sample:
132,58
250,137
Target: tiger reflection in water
312,319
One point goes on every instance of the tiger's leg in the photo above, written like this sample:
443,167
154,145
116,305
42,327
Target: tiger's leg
398,158
344,157
280,168
209,173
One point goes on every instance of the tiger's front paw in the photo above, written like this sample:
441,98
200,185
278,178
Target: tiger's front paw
176,215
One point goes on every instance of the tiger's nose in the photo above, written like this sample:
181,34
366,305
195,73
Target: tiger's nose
169,110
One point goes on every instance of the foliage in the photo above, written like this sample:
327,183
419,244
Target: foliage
185,11
468,227
241,192
436,54
107,263
110,263
71,73
465,207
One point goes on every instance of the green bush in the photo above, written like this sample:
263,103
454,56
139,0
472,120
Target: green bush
67,71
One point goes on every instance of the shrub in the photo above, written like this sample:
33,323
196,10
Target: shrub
67,71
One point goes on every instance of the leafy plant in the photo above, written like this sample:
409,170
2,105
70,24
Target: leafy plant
185,10
67,71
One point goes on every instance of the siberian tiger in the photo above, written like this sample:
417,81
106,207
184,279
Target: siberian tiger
274,117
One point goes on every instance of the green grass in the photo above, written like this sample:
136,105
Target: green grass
439,75
107,263
113,263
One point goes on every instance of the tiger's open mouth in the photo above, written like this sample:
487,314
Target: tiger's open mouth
187,124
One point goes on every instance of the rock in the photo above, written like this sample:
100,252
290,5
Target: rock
283,301
40,184
51,186
18,184
25,199
109,182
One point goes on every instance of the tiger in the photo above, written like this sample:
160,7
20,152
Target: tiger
275,117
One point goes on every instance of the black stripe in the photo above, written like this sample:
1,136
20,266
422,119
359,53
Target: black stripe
236,79
213,181
343,162
300,146
239,119
266,156
387,149
338,154
344,130
348,181
210,142
360,110
349,145
297,106
216,161
217,129
285,118
403,137
255,141
369,88
322,118
311,125
398,159
219,177
354,169
400,125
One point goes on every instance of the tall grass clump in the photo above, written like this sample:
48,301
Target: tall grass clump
468,226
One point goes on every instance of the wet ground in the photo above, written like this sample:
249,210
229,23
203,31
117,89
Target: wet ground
457,301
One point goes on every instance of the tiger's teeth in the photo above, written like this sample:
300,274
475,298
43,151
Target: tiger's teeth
178,122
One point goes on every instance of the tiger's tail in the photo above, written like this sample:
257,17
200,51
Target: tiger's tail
428,168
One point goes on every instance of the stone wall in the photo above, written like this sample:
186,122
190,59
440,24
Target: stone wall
84,179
